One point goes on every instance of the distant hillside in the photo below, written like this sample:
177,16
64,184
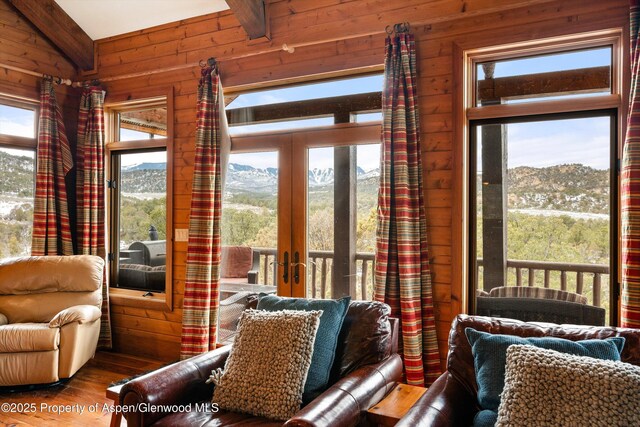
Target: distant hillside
144,181
572,187
16,175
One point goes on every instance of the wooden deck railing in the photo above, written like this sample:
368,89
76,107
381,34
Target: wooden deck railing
569,274
319,272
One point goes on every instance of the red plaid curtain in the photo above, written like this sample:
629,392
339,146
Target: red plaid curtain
51,229
402,274
90,190
630,315
201,298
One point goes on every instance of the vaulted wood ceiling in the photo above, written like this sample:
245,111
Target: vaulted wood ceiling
73,41
58,27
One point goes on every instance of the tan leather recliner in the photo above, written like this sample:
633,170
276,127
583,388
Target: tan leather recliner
50,310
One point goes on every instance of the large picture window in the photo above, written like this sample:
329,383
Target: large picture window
543,132
18,123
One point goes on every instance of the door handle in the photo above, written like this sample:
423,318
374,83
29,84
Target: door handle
296,267
285,265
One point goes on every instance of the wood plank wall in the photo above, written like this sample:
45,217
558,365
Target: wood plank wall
346,35
23,46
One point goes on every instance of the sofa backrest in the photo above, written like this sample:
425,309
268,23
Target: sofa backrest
536,292
367,336
460,358
34,289
235,261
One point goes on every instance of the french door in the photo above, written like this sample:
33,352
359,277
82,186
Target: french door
306,200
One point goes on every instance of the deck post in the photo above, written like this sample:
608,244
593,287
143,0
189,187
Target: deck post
494,198
344,217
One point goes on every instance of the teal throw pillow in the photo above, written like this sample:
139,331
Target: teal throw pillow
490,357
485,418
324,349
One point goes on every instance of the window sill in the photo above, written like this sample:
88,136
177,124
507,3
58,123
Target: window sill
134,298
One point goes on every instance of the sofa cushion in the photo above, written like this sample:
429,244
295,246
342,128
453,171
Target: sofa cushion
213,417
545,387
490,352
24,337
324,349
268,363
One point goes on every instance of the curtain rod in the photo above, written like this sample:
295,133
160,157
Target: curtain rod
270,49
285,47
55,79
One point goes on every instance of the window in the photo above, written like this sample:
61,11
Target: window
139,175
302,193
542,181
18,123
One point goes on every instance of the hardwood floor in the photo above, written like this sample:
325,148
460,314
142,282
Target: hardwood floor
86,390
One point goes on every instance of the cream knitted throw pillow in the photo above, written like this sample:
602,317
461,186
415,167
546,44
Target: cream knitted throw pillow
268,363
547,388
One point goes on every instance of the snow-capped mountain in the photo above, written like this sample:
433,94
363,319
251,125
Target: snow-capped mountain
144,166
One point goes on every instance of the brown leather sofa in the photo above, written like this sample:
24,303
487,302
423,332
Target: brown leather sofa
366,368
452,398
50,310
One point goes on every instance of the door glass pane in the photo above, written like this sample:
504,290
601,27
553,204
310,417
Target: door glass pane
341,220
250,221
143,220
17,169
543,209
249,235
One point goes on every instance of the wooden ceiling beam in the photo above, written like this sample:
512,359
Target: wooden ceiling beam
252,15
550,83
58,27
338,106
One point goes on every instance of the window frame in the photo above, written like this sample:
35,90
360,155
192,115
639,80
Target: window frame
613,195
468,113
15,141
118,103
20,142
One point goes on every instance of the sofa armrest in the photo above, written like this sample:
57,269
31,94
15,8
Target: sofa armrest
77,313
180,383
3,320
446,403
345,403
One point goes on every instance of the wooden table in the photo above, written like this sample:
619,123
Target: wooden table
113,393
393,407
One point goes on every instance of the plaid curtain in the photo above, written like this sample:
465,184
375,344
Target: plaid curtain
51,228
630,315
201,298
90,190
402,274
